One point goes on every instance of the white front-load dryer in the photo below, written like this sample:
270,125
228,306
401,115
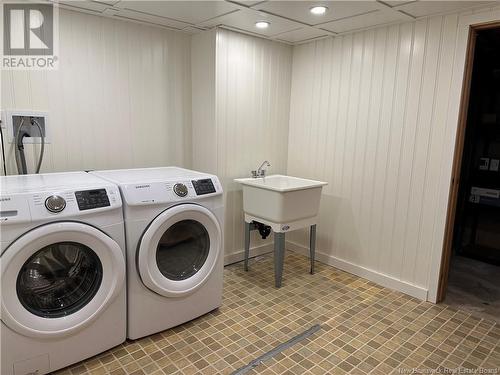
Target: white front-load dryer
173,225
63,296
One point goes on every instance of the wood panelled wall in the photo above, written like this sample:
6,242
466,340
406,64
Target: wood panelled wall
253,78
121,97
373,113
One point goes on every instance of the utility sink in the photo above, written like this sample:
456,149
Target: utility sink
283,203
281,199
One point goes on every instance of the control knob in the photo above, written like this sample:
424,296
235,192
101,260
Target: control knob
181,190
55,203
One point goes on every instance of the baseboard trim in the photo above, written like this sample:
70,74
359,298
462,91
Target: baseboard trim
366,273
239,255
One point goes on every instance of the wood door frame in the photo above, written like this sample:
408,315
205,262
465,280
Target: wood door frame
457,158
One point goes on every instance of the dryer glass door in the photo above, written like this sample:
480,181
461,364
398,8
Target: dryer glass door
179,250
182,250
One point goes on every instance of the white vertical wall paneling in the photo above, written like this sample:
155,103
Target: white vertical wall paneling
404,168
384,103
120,98
391,38
361,126
421,144
436,151
203,47
252,111
388,257
374,111
465,20
332,108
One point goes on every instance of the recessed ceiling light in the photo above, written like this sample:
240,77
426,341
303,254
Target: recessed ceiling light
318,10
262,24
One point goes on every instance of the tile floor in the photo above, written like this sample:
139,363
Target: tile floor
365,329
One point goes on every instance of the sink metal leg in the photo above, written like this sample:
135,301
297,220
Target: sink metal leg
312,246
279,257
247,244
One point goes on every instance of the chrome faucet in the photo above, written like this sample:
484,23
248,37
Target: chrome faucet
261,171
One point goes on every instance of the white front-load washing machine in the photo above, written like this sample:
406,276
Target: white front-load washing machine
173,228
63,296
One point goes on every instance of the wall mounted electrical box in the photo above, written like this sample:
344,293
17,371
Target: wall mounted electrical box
25,122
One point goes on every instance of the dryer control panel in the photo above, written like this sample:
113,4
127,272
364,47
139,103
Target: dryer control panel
171,190
89,199
204,186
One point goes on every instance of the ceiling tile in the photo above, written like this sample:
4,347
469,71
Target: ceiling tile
367,20
192,29
143,17
109,2
84,5
427,8
300,35
247,3
395,3
245,19
192,12
299,10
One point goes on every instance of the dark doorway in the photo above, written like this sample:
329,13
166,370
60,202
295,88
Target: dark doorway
474,268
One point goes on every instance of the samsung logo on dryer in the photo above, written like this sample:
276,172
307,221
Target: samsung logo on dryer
142,186
4,199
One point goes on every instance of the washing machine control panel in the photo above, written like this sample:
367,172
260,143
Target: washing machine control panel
204,186
89,199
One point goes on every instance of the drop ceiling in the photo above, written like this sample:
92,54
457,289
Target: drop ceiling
289,21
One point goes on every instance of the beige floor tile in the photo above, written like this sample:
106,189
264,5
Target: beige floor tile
365,329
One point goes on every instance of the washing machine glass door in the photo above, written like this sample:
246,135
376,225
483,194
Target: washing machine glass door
179,250
56,279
